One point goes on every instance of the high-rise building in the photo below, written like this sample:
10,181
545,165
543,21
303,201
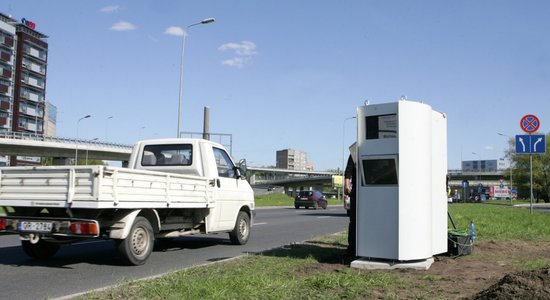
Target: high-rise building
50,120
23,64
293,160
7,71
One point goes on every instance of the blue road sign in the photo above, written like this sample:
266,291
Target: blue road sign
530,144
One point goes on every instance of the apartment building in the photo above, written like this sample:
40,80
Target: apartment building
23,66
293,160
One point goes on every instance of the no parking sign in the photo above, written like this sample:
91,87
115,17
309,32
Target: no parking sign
529,123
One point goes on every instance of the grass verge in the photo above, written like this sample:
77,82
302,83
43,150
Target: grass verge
494,222
320,268
280,199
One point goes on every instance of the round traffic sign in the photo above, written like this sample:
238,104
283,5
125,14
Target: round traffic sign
529,123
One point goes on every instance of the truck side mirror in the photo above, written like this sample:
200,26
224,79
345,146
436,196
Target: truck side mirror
240,170
237,171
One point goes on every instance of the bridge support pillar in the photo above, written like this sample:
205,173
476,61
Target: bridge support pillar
62,161
252,179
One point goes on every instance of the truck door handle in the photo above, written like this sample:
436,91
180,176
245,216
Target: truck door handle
215,182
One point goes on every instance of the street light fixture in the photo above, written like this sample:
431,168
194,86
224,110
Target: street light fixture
205,21
76,148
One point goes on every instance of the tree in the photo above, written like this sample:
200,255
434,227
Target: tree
541,172
48,161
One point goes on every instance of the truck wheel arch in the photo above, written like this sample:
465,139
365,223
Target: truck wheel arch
248,211
123,222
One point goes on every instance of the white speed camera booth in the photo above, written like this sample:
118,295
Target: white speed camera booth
401,174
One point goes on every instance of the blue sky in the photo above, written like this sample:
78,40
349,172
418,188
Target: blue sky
286,74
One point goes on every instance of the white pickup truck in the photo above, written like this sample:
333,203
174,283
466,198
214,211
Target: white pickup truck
172,188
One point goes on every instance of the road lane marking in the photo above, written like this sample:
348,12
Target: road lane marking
264,223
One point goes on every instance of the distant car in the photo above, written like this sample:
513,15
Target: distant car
310,198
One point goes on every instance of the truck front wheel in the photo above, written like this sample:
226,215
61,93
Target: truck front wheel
40,250
138,245
241,232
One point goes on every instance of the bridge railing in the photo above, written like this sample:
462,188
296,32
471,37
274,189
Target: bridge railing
46,138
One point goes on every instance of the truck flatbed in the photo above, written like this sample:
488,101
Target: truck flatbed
101,187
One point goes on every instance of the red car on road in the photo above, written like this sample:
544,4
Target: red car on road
310,198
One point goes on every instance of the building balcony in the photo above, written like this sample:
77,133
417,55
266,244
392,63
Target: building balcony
34,68
5,105
33,83
6,73
35,54
4,89
4,56
32,97
8,41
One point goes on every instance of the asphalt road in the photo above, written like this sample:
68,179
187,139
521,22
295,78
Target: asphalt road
94,264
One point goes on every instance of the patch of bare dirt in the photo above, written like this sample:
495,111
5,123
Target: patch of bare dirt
494,270
522,285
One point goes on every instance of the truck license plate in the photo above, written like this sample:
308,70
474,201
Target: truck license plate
33,226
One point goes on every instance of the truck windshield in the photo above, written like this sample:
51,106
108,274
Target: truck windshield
167,155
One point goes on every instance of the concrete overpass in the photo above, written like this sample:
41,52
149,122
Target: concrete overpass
290,180
28,144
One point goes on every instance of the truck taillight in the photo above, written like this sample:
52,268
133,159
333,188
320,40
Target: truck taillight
87,228
3,223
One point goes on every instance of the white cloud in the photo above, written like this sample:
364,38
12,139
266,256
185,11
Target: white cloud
242,52
245,48
123,26
109,9
237,62
175,30
489,148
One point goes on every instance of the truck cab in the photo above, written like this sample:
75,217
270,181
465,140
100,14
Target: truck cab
198,157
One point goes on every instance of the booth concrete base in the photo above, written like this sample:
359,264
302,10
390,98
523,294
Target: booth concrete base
364,263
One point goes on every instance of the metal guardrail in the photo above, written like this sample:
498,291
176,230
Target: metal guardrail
476,172
73,141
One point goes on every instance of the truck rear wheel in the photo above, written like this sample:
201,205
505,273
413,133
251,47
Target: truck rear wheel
40,250
241,232
138,245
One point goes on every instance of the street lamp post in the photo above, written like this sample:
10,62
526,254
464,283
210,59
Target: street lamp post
205,21
107,127
478,160
76,148
343,153
141,132
478,177
511,184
